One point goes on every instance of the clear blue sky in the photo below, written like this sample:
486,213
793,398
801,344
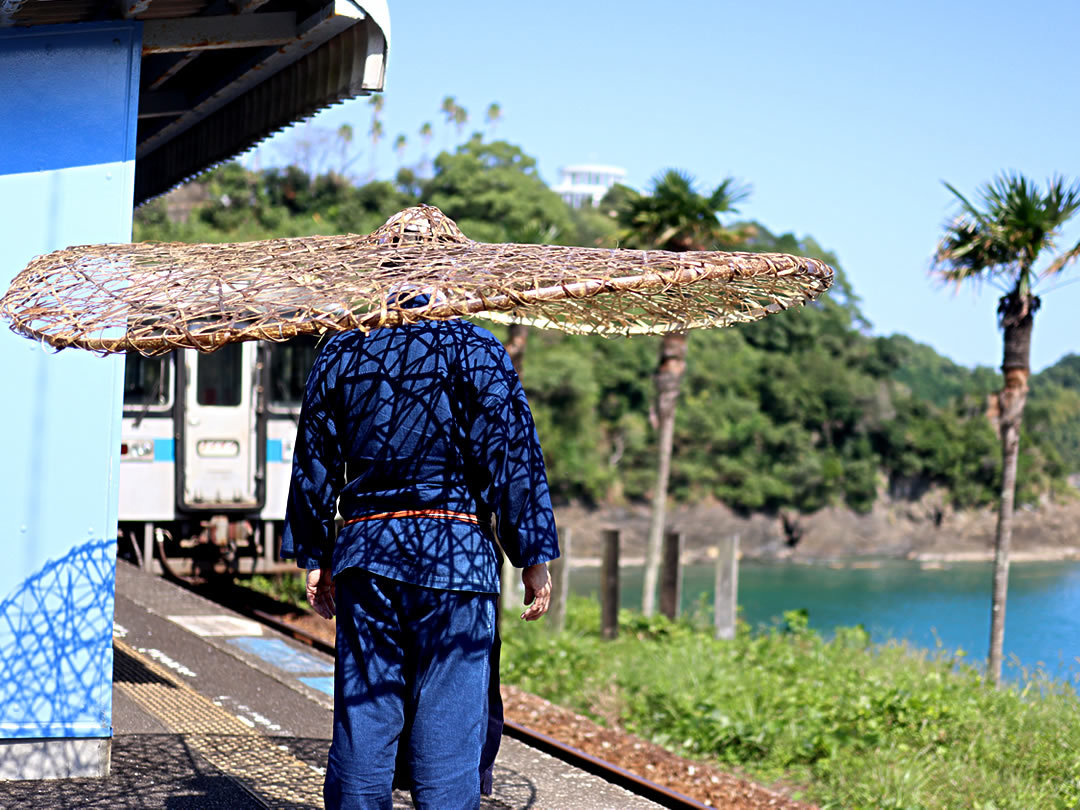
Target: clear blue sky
845,117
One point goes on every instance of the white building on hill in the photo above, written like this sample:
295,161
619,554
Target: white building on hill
586,183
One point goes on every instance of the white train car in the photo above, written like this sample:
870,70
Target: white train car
206,452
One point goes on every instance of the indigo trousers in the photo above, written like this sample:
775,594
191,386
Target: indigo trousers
412,673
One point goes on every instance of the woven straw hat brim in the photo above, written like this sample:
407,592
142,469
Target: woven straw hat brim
155,297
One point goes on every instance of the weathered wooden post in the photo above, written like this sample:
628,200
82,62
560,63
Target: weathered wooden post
727,588
671,575
560,581
609,586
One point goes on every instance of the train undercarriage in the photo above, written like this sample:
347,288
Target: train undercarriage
203,548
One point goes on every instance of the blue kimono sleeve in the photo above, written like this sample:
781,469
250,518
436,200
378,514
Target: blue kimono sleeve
503,437
317,474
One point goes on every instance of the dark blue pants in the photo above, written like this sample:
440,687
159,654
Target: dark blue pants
412,669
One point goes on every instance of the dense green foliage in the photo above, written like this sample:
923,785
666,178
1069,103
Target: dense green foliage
1051,430
1053,409
493,192
854,725
801,410
289,588
938,379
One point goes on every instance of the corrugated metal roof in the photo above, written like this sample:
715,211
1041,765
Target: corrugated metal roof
218,76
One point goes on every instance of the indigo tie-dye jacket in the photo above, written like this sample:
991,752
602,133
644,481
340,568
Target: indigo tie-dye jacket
423,418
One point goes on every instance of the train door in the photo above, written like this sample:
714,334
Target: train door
287,367
147,441
221,436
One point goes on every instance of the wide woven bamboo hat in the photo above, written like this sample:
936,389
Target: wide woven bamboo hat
155,297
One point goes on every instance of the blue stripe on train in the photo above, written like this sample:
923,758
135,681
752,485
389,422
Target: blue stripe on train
164,450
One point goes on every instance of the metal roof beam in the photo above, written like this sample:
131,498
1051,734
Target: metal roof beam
170,69
206,33
130,8
163,104
334,17
340,68
178,63
245,6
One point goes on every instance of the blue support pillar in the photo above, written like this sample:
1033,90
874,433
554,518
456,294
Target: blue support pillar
67,167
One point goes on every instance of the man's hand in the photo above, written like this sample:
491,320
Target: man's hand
320,592
537,591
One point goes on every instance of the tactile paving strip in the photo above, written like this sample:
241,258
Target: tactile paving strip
265,769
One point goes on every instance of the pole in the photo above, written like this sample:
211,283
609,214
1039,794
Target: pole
560,581
609,586
269,545
727,588
148,547
671,575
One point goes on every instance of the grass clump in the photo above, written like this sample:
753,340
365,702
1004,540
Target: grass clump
855,724
288,588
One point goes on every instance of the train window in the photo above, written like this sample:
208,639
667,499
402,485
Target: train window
147,380
220,376
290,363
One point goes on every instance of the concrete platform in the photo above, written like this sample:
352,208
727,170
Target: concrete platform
211,710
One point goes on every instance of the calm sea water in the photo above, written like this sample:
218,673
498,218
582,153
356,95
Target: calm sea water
903,600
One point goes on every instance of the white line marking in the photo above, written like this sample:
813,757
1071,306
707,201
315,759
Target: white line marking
246,713
172,664
218,625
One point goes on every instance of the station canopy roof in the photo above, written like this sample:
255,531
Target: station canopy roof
218,76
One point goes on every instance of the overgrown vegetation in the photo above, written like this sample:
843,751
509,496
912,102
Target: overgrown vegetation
288,588
853,725
799,411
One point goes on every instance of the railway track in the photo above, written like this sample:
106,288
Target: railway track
268,611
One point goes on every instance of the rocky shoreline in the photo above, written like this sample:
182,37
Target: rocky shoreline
927,531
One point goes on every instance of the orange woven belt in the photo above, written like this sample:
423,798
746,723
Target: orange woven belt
405,513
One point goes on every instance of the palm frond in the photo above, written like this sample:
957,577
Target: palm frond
1063,261
1004,234
729,194
967,206
674,216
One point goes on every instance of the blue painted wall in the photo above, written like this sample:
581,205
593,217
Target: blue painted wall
67,168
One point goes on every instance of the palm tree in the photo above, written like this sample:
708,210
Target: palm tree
400,142
426,134
1000,239
674,217
345,137
461,117
376,132
494,116
448,109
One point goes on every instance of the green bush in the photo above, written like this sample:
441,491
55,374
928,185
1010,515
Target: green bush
853,724
290,588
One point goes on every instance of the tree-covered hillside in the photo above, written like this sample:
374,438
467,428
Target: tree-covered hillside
1053,409
798,411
